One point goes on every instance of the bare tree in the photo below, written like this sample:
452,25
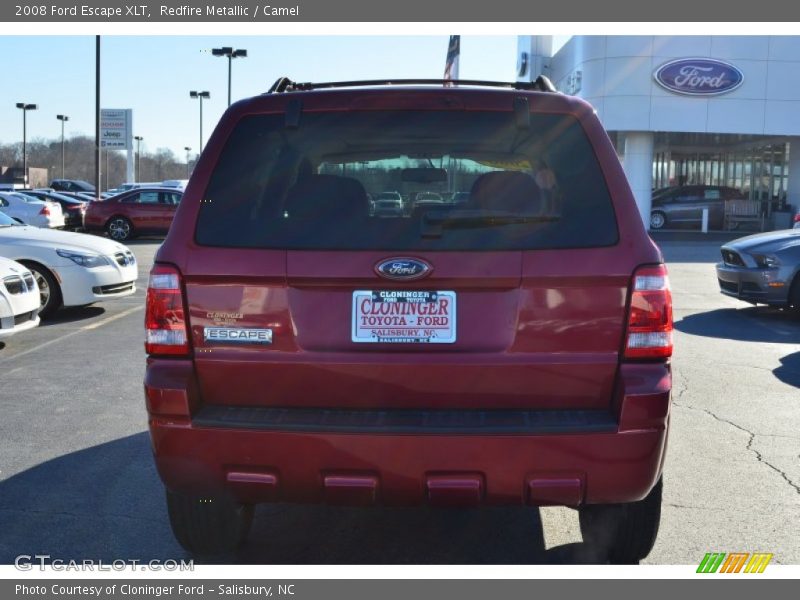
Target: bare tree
79,161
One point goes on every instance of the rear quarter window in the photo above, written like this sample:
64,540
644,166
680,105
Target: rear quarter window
319,186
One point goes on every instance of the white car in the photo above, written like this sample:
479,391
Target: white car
179,184
31,211
71,269
19,298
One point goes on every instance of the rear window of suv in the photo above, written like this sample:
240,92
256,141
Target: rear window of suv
317,186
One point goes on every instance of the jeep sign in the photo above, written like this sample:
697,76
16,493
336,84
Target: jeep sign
116,128
698,77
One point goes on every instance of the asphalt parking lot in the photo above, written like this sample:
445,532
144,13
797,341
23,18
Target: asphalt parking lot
77,480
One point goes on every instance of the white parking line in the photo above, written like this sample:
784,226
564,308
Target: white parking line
100,323
107,320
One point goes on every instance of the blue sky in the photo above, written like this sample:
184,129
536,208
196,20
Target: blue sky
153,75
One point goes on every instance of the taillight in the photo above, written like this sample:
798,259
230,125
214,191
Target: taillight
45,211
165,317
797,218
650,317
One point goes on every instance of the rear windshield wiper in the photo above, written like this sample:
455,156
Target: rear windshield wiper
434,223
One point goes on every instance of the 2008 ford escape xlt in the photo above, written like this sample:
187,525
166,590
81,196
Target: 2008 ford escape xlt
502,338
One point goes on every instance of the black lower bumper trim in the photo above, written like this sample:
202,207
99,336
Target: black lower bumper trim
406,421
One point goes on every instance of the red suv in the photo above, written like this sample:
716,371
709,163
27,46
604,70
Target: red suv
511,349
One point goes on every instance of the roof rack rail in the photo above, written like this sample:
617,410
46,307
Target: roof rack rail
284,84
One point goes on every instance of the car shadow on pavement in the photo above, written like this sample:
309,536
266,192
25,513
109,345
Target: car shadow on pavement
752,324
107,503
72,314
789,371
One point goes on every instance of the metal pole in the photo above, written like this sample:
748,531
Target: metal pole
230,60
108,186
97,119
25,146
201,124
62,148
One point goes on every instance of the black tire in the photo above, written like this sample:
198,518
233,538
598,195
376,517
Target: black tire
627,532
49,290
658,219
208,526
119,229
794,294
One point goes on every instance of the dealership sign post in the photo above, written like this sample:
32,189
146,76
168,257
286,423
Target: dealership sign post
116,133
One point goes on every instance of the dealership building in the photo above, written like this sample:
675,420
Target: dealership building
689,110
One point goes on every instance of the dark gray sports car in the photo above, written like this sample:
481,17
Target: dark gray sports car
762,268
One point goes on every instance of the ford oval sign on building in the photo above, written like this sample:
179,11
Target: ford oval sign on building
698,76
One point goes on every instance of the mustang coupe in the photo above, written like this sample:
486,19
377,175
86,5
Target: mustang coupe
762,268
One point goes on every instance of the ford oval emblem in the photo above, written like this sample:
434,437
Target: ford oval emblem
698,77
403,268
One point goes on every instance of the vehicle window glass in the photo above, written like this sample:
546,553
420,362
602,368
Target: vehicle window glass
309,187
148,198
711,194
170,198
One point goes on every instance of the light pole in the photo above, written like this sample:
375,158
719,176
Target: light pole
138,176
188,149
25,108
230,54
63,119
200,96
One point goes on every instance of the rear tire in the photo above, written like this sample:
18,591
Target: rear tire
49,290
208,526
626,531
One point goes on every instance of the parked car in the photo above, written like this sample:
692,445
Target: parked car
762,268
684,205
77,196
179,184
70,269
460,198
72,208
19,299
507,352
388,204
136,212
72,185
125,187
32,211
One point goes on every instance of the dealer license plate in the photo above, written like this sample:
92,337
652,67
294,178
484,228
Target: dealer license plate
404,317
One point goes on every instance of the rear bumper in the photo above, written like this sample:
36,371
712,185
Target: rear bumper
619,462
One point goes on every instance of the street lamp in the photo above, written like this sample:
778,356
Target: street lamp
230,54
138,176
63,119
25,108
200,96
188,149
